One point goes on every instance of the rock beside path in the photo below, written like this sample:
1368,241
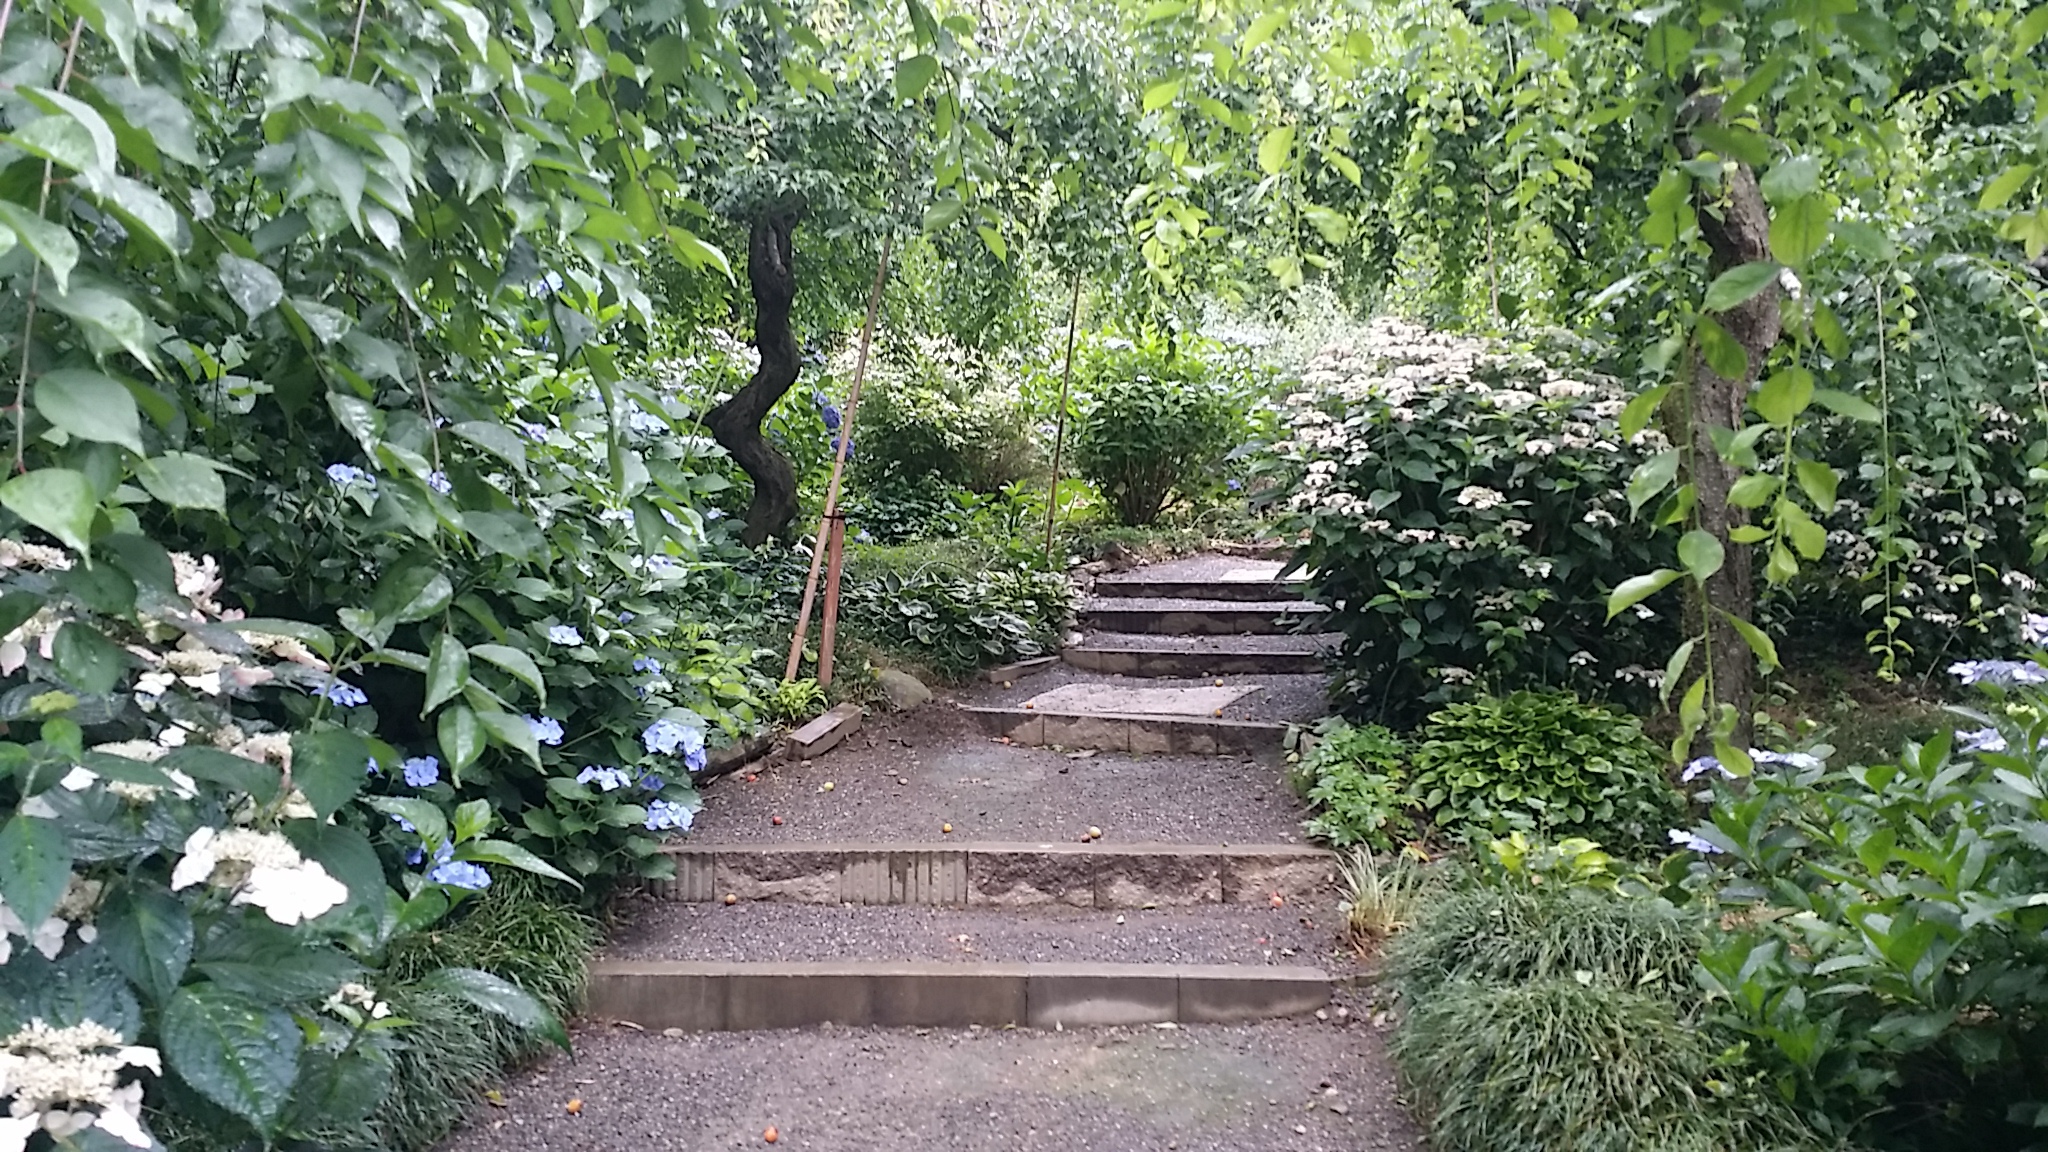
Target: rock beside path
903,690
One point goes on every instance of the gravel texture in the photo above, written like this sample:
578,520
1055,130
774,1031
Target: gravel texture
1303,933
1278,699
1181,604
1153,642
1276,1086
1206,566
946,771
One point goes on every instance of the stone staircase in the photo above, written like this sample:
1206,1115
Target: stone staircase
1086,886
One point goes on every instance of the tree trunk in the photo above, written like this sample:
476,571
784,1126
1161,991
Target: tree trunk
1736,226
736,424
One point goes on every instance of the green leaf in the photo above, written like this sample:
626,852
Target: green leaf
499,997
1161,94
1700,552
424,816
1844,404
1829,329
1260,32
2028,31
447,671
1791,180
1674,668
412,593
994,240
508,533
1651,477
237,1052
53,244
35,868
512,732
108,319
253,778
1636,589
60,140
1799,229
328,766
461,737
2004,187
1721,351
1636,416
944,212
915,75
1819,482
1738,285
91,406
516,662
359,418
148,934
183,480
1808,537
1753,490
253,287
1783,395
494,438
1866,240
1753,636
143,209
1334,226
472,819
336,168
88,661
157,117
512,855
1275,149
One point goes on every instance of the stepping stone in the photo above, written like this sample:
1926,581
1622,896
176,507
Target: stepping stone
1197,617
1141,654
1101,699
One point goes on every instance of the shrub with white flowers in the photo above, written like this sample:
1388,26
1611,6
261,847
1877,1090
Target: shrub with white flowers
1463,506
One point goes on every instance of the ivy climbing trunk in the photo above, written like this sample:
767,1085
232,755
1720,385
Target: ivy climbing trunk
736,424
1736,224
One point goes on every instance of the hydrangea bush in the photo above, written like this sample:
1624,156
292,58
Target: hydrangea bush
1463,507
1884,923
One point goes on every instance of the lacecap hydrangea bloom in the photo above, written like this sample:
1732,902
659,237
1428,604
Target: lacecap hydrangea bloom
667,737
64,1081
546,729
606,779
664,815
263,869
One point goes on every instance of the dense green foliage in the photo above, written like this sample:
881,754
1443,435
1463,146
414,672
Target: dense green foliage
1155,422
1355,781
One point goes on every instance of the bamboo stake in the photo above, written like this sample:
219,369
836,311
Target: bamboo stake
828,629
1059,440
860,371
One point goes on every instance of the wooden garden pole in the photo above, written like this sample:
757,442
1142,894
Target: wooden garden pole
828,537
1059,440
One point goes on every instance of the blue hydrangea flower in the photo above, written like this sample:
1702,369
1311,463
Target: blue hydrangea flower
2034,630
646,664
461,874
671,518
545,729
370,767
652,783
641,420
616,516
438,481
2002,672
1701,767
667,738
1982,740
849,446
421,771
534,432
344,475
565,634
663,815
402,822
342,693
662,565
625,617
1694,843
862,537
1233,485
1804,761
714,513
606,779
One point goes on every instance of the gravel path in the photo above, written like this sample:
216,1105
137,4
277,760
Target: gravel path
1181,604
1278,699
946,772
1207,566
1154,642
1304,933
1278,1086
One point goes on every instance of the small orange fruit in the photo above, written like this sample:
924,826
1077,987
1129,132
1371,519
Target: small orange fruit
1279,901
775,820
771,1135
575,1106
732,897
945,827
751,777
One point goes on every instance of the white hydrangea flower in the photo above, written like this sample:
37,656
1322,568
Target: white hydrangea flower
264,870
1539,448
66,1080
1479,499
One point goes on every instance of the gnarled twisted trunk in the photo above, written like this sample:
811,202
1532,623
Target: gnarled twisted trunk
1736,225
736,424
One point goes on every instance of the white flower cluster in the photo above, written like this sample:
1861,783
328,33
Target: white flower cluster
263,869
81,897
65,1080
355,1002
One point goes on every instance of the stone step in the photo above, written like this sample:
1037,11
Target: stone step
1139,586
1197,617
1139,654
998,875
1130,732
710,996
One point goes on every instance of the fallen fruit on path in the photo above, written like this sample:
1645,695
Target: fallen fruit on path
1094,833
1279,901
945,827
771,1135
732,897
1217,712
1219,681
825,787
775,820
751,777
574,1107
